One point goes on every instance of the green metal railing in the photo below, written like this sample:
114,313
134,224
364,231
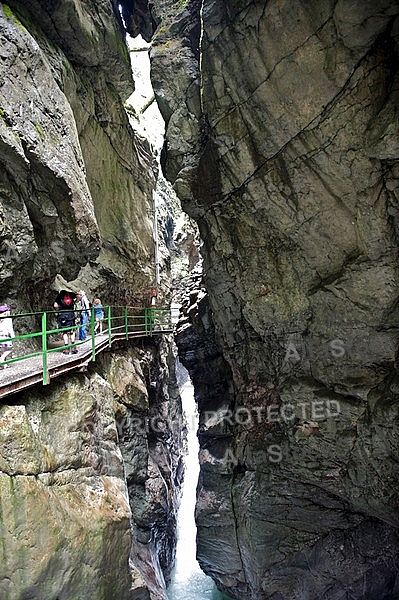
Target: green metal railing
120,322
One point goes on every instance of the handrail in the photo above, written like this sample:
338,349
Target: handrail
120,322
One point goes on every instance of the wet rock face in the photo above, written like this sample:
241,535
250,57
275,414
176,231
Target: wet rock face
88,494
89,476
76,182
295,192
149,422
46,204
65,519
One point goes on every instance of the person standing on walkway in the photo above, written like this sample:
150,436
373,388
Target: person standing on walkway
66,318
82,305
6,333
98,315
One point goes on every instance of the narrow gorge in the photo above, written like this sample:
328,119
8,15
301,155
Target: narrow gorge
282,144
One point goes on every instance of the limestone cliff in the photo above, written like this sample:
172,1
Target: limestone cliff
89,466
76,180
89,474
291,171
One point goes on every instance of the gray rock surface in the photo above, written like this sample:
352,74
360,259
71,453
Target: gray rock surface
90,471
77,182
148,416
282,142
295,190
88,497
65,519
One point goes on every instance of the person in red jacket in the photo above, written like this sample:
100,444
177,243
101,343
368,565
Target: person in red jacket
64,302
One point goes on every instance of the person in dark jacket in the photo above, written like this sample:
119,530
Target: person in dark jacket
64,302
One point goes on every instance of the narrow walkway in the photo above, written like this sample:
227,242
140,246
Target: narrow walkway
28,372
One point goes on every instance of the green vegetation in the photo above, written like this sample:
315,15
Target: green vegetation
121,47
181,4
131,111
7,12
40,131
5,117
9,15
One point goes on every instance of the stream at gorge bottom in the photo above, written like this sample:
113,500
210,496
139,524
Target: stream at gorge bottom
188,582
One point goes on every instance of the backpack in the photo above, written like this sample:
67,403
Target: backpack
67,300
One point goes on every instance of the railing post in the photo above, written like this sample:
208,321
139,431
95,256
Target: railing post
93,335
44,349
109,326
126,324
151,313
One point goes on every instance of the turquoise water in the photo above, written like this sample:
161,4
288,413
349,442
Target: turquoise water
188,581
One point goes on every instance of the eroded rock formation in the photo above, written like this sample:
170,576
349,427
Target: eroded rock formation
89,476
76,181
282,142
292,176
88,491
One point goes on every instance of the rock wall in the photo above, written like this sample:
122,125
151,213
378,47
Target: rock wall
148,415
88,491
76,192
282,142
293,180
65,514
89,477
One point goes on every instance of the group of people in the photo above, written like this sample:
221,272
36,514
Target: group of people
74,307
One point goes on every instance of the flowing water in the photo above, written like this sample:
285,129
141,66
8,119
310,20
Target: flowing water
188,581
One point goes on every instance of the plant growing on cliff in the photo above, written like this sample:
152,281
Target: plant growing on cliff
131,111
180,4
9,15
5,117
40,131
